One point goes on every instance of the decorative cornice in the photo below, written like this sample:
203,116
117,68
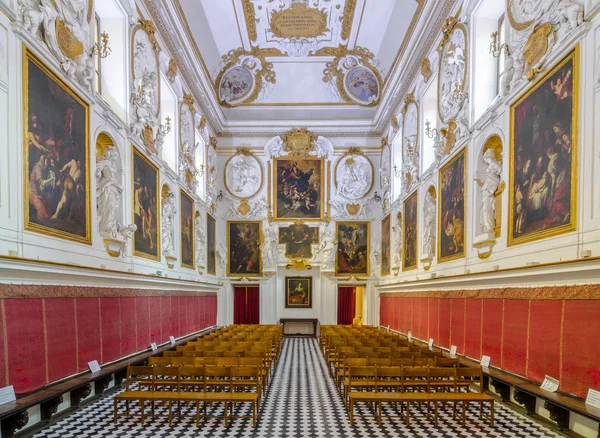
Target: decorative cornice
231,134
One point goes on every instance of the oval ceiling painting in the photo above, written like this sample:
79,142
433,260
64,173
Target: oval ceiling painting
362,85
235,85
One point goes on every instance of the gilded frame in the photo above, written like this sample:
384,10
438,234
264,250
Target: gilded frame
573,56
260,241
262,177
28,56
386,224
461,154
182,195
414,197
211,252
321,189
308,281
135,152
289,256
337,251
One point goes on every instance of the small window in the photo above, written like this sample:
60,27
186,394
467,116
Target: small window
97,61
501,59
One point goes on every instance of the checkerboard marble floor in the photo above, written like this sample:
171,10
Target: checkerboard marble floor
301,401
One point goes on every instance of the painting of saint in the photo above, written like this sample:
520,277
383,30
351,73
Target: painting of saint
452,209
543,156
211,245
386,244
244,239
235,84
298,189
56,127
298,292
362,85
186,229
145,209
352,256
298,240
409,233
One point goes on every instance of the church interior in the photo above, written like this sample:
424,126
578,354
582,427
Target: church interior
308,218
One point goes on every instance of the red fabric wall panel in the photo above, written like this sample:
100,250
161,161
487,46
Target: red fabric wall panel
444,318
3,374
142,306
201,306
111,329
193,304
175,317
155,320
581,347
191,315
128,326
88,331
492,330
433,319
406,310
544,340
423,313
165,318
457,321
25,336
514,337
61,336
473,339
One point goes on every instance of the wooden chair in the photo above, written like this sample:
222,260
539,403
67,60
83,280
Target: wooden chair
159,361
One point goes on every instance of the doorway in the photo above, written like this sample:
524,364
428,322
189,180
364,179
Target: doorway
246,305
350,305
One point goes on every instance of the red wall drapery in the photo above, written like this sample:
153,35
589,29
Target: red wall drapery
246,305
346,305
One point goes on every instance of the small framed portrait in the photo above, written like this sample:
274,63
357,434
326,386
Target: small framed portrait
298,292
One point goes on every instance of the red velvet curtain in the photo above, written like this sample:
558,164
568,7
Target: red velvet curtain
246,305
346,305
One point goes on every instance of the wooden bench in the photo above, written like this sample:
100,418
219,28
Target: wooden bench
14,415
205,397
401,397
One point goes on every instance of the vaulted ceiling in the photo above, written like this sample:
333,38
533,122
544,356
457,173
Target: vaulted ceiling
310,61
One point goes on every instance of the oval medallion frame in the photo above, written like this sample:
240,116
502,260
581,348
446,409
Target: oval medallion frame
355,157
459,27
241,97
227,179
369,100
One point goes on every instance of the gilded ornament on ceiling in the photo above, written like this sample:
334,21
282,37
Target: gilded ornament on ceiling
299,21
426,70
395,125
299,142
536,48
172,73
149,27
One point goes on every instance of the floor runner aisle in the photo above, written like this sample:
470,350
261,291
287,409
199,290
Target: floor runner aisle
301,401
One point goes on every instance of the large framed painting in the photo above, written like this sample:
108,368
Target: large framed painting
409,233
543,156
298,292
386,245
451,243
56,154
244,240
186,230
146,241
298,240
211,245
298,189
353,248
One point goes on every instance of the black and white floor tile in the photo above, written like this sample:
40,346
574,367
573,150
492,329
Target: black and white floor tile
301,401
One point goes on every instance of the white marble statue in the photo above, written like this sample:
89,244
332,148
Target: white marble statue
327,250
200,242
509,73
274,147
398,244
269,249
354,177
108,193
452,75
167,225
429,225
375,261
142,106
323,147
413,163
488,190
222,254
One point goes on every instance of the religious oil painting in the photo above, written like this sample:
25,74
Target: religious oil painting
146,242
409,233
186,229
543,156
56,127
452,209
386,245
211,245
362,85
236,84
352,256
298,189
298,292
298,240
244,240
